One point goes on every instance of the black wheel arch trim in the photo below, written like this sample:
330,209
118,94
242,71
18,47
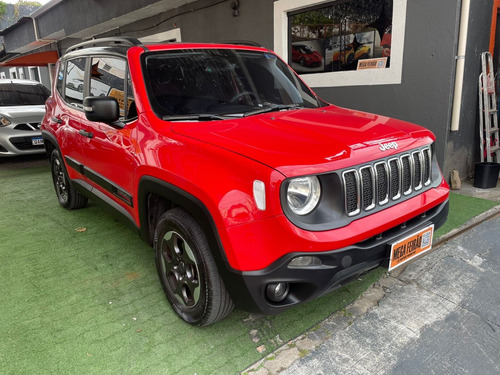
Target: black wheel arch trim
195,207
49,138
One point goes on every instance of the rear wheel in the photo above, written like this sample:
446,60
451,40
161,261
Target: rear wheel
187,270
68,197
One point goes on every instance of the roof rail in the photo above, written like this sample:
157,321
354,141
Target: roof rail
243,43
112,42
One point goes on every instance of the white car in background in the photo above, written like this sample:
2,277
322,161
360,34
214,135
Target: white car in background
22,107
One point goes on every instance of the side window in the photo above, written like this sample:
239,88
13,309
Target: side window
60,78
107,78
75,74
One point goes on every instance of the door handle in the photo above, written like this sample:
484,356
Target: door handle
86,134
56,120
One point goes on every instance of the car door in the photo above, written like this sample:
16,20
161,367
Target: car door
68,113
109,150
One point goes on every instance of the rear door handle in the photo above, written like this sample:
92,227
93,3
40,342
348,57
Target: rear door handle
56,120
86,134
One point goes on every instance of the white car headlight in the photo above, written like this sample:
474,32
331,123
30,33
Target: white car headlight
4,121
303,194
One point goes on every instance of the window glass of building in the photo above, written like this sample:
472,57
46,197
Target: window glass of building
341,36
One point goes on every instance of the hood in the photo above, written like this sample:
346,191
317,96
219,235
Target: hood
307,141
33,112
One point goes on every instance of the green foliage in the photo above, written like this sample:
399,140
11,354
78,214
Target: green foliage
29,3
3,8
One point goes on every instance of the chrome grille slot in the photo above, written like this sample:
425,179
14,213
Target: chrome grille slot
406,174
382,183
417,171
351,192
395,178
372,185
367,188
427,166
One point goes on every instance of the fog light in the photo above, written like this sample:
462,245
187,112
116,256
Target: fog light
277,292
304,261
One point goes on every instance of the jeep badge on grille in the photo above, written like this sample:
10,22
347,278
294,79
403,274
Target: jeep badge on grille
387,146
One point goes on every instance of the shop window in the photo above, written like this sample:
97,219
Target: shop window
340,36
343,42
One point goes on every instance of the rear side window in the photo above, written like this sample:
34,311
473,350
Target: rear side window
60,78
75,75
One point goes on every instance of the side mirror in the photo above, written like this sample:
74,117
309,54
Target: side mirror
101,109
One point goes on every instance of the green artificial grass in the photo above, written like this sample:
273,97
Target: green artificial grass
80,294
462,209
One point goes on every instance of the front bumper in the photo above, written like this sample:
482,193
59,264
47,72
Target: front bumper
338,267
13,142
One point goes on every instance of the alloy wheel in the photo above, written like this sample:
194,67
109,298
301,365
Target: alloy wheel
180,269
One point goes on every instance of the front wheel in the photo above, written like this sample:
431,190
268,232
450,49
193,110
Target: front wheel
68,197
187,270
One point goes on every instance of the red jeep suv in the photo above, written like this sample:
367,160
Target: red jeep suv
252,191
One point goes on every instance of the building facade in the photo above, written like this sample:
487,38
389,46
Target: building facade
416,60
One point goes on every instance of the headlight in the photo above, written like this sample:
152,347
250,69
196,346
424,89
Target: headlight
4,121
303,194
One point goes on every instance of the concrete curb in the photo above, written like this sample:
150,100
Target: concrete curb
286,355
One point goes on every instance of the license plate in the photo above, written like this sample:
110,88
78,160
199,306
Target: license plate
409,247
37,141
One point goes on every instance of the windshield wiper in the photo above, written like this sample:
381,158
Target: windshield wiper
195,117
272,108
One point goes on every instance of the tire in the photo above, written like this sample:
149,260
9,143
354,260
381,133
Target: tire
187,270
67,196
350,59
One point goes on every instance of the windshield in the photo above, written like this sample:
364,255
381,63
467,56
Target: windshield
13,94
222,82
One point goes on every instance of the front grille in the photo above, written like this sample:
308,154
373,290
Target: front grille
369,186
29,126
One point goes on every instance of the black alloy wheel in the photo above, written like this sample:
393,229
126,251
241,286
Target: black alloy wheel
67,196
187,270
